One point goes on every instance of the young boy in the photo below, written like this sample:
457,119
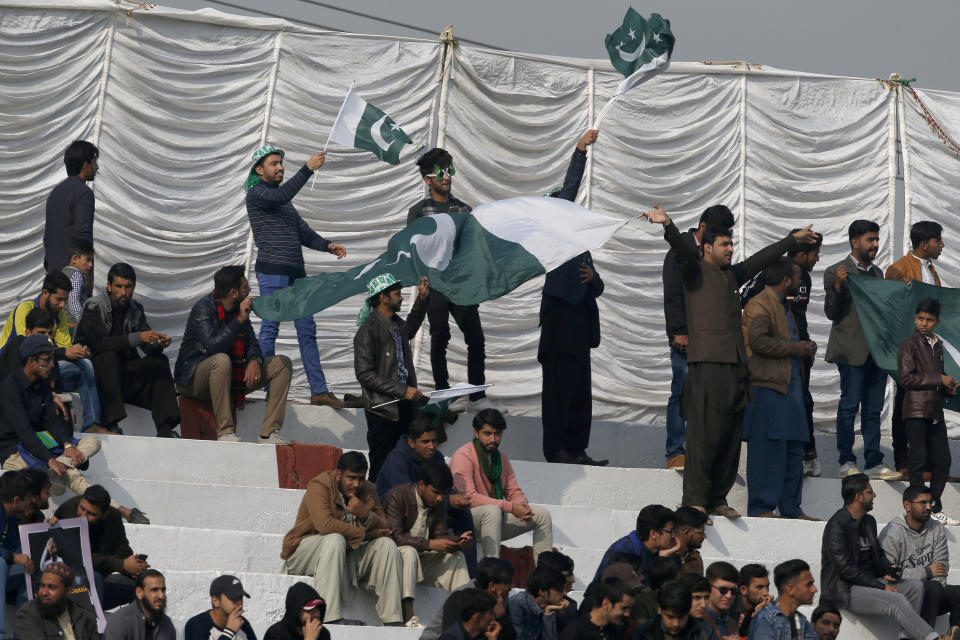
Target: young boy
920,366
81,265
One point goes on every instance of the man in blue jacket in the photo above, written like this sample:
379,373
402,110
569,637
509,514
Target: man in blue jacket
220,359
781,619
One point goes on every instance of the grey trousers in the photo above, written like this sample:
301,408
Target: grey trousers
492,526
903,607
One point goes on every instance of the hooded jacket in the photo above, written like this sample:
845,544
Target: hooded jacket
916,550
289,627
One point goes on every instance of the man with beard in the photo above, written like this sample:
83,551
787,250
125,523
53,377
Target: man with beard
75,371
17,498
780,618
484,475
862,383
605,621
477,617
495,576
754,586
826,621
774,424
676,620
341,538
144,618
224,620
383,364
114,326
689,531
856,573
918,543
303,617
40,491
51,614
220,359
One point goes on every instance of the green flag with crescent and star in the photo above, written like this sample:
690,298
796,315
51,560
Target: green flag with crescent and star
363,126
640,48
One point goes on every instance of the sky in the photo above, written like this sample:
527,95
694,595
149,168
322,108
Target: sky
861,38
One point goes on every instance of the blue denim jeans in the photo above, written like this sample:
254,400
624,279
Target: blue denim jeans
77,375
13,578
676,427
306,335
861,388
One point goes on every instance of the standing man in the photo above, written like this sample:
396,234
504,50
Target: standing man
717,386
279,233
383,364
437,170
774,426
678,336
220,359
569,329
926,237
114,326
781,618
70,206
145,618
862,383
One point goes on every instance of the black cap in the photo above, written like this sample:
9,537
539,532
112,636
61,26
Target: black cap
228,586
35,344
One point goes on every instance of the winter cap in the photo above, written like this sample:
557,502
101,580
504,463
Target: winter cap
36,344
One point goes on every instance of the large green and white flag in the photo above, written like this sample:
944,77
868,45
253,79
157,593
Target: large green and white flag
640,48
469,258
361,125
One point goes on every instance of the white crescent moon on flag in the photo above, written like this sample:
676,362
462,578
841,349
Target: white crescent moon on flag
375,133
630,57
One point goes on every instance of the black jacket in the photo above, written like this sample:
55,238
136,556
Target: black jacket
287,629
129,623
674,306
839,569
583,629
653,630
70,208
203,338
96,324
31,625
108,538
26,408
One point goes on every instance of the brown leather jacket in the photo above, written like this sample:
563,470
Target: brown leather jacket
909,267
401,507
768,340
322,512
920,368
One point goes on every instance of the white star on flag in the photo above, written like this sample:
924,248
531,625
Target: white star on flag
633,34
656,37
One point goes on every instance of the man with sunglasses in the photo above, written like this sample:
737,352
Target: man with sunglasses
437,170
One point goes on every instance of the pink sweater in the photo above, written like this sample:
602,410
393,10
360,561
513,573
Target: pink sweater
469,479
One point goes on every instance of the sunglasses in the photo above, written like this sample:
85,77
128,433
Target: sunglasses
441,174
723,590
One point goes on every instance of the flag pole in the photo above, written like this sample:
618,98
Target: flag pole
335,120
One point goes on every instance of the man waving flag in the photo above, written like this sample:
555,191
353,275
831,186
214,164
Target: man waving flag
361,125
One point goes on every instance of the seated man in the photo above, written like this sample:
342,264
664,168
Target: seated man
341,532
113,325
677,619
40,491
564,564
51,614
495,576
16,495
35,431
220,359
781,619
484,475
75,369
754,587
303,618
826,621
622,568
533,610
699,592
660,571
607,617
856,573
224,619
689,530
80,267
39,321
477,618
147,612
652,536
917,543
417,516
114,564
723,579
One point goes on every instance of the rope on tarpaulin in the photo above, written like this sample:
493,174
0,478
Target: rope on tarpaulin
897,81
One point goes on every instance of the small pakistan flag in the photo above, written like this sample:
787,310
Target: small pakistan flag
640,48
361,125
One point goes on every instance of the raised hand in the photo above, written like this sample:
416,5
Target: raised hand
656,216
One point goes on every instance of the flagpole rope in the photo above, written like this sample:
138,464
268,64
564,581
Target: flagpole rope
905,154
104,77
892,168
591,104
742,180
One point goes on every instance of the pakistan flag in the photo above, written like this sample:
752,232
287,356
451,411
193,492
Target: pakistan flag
640,48
361,125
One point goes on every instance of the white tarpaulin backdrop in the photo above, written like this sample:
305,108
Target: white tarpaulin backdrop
177,102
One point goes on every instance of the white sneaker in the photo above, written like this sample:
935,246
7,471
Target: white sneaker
229,437
847,469
476,406
883,472
811,468
274,438
459,405
414,623
945,520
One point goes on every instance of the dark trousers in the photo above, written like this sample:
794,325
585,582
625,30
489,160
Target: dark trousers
114,589
461,521
861,389
676,429
939,599
928,443
901,455
567,407
383,434
810,446
714,397
774,475
143,382
439,308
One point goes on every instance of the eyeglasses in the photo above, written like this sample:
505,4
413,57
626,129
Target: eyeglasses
669,532
441,174
923,503
723,590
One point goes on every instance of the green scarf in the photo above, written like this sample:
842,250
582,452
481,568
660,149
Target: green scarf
491,466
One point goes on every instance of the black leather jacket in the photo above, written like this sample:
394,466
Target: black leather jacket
375,358
839,569
203,338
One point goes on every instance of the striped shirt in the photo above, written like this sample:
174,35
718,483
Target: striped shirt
278,230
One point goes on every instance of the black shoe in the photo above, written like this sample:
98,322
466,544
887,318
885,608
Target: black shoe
167,433
351,401
449,416
563,457
138,517
590,462
348,621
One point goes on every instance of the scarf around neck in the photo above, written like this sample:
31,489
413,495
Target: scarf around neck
492,467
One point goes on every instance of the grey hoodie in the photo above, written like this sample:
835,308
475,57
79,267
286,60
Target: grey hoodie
915,551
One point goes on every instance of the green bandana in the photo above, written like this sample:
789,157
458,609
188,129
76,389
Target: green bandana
253,179
492,467
375,286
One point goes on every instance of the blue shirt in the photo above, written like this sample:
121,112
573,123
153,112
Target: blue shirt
770,624
629,543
